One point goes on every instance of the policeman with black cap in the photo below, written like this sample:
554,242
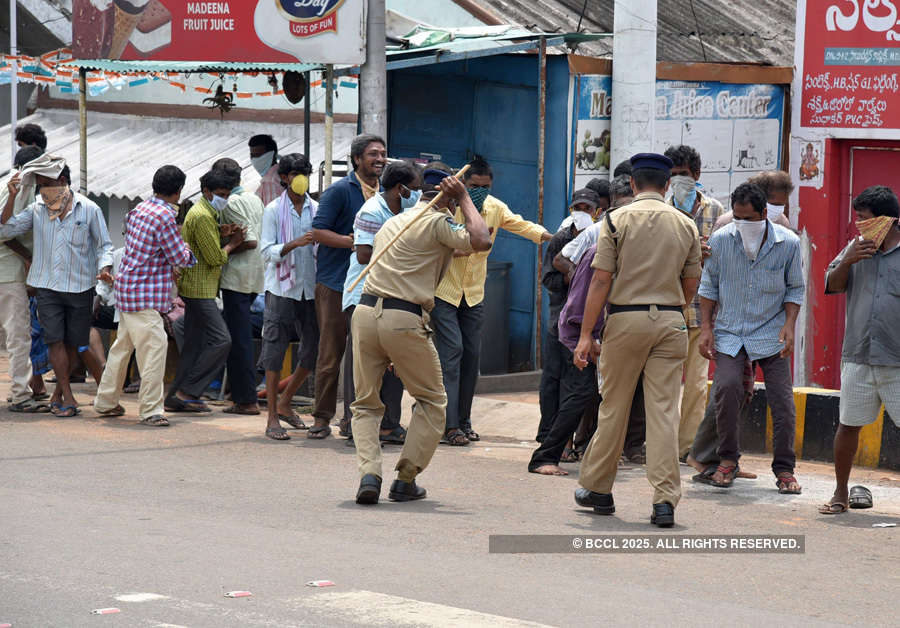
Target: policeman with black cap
647,267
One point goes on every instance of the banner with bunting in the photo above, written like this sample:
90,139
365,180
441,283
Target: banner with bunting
50,70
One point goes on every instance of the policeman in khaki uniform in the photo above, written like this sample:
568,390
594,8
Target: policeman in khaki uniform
389,326
647,267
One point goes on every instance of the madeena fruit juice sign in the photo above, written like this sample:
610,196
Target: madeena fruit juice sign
265,31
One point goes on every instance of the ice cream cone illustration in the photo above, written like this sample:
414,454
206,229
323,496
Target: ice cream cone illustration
127,15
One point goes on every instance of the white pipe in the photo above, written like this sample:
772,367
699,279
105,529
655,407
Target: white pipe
13,84
634,79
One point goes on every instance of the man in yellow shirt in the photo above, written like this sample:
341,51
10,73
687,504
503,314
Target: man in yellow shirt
458,311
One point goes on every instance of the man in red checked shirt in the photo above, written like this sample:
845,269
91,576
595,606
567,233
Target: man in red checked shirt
153,248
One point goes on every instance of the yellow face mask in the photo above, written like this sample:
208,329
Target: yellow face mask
300,185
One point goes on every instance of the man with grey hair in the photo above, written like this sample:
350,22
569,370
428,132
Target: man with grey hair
333,230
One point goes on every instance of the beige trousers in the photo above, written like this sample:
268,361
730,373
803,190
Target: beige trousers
15,317
654,343
693,399
143,333
381,337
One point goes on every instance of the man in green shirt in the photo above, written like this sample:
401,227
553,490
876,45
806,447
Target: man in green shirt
242,280
207,341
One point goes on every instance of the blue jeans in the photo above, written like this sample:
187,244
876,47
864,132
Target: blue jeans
457,338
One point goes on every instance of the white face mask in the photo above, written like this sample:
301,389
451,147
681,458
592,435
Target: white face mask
774,211
752,232
263,162
218,203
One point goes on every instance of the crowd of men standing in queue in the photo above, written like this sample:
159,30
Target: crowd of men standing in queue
649,280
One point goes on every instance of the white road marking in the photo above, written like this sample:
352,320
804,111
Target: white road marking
140,597
369,608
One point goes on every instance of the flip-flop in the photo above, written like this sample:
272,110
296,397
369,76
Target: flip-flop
40,396
116,411
40,408
63,411
860,497
705,476
833,508
277,433
294,421
157,420
315,431
783,482
22,406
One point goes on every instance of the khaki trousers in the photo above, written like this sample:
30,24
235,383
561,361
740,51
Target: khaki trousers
143,333
381,337
654,343
15,317
693,399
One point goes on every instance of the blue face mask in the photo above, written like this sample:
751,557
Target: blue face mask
684,192
407,202
218,203
478,195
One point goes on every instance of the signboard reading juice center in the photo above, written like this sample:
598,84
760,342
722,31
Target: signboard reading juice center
263,31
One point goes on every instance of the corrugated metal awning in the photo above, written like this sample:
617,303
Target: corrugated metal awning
111,65
124,151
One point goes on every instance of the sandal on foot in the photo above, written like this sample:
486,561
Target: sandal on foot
784,481
66,412
471,434
23,406
293,420
833,507
116,411
157,420
174,404
728,474
569,455
318,432
860,497
705,476
344,428
455,437
396,436
277,433
132,388
236,409
40,396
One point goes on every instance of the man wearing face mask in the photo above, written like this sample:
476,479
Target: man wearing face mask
198,286
458,309
704,210
242,280
264,157
288,249
153,247
71,243
402,185
754,278
777,186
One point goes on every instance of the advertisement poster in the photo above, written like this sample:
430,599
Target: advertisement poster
263,31
736,128
851,60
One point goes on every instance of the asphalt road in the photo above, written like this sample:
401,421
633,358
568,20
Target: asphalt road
161,523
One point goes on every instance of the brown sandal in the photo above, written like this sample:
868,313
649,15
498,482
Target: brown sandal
455,437
728,475
784,481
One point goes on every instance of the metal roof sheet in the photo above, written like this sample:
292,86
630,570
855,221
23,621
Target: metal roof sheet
744,31
124,151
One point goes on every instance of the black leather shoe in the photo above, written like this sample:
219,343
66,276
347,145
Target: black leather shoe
369,489
663,515
602,503
405,491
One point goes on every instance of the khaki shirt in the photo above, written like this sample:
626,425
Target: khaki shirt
653,248
412,268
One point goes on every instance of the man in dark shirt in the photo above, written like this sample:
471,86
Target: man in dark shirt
584,204
333,230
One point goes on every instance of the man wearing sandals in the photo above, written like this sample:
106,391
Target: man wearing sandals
868,271
143,284
754,276
287,248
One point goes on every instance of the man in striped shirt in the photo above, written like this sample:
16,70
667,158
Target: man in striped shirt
754,276
153,248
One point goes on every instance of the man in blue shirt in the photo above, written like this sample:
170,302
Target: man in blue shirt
333,230
754,276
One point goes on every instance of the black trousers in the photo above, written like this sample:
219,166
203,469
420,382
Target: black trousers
551,373
391,386
578,386
240,363
206,345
